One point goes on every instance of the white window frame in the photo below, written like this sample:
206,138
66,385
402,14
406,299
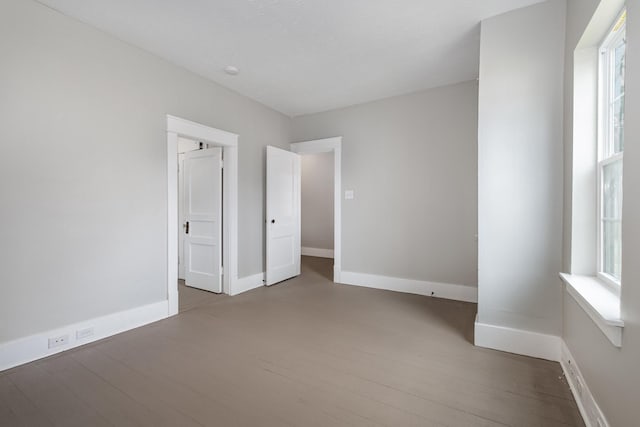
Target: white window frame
599,299
605,133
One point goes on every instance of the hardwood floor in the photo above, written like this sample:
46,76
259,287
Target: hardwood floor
191,297
305,352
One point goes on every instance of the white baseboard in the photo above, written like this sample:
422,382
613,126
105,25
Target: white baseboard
319,252
28,349
517,341
248,283
419,287
589,409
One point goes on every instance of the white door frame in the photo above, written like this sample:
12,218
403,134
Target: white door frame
328,145
229,142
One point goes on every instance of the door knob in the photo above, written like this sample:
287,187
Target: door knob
273,221
186,228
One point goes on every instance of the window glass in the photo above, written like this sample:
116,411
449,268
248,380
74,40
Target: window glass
612,218
611,123
618,97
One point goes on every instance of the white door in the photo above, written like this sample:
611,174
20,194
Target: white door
203,219
283,215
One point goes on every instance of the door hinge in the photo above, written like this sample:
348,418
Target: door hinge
221,270
221,164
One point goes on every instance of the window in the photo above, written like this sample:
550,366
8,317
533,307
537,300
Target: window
611,152
596,184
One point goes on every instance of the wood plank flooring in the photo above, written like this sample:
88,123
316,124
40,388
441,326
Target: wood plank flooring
306,352
191,297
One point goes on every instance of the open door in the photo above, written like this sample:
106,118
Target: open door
283,215
203,219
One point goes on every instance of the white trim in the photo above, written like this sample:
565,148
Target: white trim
517,341
316,146
229,142
584,184
248,283
611,282
587,405
200,132
605,137
318,252
418,287
172,222
599,302
326,145
27,349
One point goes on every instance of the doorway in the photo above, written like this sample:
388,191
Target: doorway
328,146
227,142
317,204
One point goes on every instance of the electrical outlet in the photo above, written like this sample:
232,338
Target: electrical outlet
84,333
58,341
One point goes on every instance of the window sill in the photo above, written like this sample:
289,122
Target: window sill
599,302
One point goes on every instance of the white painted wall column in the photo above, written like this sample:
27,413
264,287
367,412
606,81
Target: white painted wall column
520,180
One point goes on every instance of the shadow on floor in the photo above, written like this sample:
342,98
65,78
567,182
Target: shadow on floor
320,266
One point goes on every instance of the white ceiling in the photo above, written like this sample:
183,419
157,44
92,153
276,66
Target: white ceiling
305,56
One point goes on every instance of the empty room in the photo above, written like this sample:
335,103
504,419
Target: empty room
320,213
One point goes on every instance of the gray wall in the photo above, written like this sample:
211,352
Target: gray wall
411,161
83,168
317,200
520,168
611,373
